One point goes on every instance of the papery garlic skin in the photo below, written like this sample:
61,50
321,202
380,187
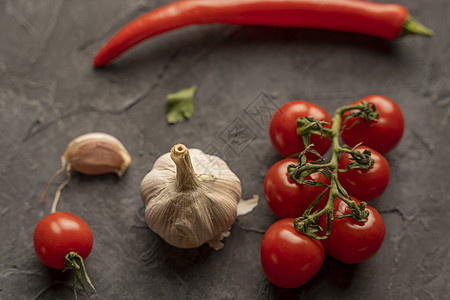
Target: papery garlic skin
190,197
97,153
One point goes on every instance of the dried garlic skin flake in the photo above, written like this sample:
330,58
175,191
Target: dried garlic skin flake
191,198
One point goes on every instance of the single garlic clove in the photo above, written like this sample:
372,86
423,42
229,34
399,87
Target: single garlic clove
97,153
93,153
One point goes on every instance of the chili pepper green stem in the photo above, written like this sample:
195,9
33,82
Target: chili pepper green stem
411,26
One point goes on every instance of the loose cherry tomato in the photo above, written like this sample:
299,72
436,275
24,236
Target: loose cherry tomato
290,259
287,198
365,185
384,133
283,128
350,241
58,234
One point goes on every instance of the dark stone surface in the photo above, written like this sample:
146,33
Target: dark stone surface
50,94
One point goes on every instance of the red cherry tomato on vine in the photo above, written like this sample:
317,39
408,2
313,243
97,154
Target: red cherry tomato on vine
290,259
350,241
384,133
287,198
283,128
58,234
365,185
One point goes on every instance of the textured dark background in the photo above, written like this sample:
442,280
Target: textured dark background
50,94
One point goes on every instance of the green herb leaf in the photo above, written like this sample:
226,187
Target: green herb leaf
180,105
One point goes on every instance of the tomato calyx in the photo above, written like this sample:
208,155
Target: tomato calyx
309,227
358,211
366,111
360,160
299,172
74,261
309,125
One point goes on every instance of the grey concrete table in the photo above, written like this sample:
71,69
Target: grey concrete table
50,93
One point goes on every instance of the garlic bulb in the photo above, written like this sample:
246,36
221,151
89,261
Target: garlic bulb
190,198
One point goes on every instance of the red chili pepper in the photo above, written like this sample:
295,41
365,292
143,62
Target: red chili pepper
386,21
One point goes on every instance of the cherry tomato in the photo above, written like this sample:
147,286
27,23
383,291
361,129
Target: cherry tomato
384,133
350,241
283,128
287,198
290,259
365,185
58,234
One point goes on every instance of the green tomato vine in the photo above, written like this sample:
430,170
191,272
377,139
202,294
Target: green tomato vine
307,223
